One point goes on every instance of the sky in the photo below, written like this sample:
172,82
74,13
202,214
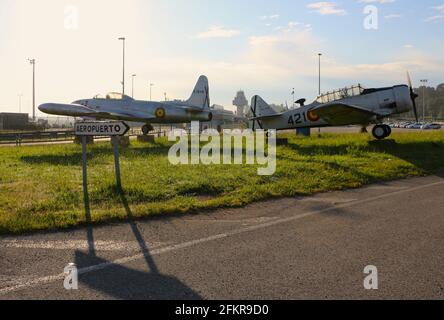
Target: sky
262,47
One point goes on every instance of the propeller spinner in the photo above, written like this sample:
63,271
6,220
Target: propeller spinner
413,96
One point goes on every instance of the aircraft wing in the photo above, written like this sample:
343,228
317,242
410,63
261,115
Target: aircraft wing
77,110
339,114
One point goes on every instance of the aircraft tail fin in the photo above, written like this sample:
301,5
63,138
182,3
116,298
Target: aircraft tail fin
200,97
261,109
261,112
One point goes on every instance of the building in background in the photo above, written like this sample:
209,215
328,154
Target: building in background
14,121
222,119
241,103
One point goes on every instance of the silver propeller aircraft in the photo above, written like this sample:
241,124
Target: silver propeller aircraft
348,106
115,106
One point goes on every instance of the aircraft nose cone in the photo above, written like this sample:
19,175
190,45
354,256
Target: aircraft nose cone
44,107
48,108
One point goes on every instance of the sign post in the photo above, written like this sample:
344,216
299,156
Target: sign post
84,166
104,129
115,143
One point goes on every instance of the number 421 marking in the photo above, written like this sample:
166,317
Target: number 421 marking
298,118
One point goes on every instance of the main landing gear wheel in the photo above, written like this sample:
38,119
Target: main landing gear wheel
146,129
381,132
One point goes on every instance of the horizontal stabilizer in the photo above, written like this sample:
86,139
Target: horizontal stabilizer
266,117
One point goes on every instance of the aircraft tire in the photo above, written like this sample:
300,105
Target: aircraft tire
388,130
146,130
380,132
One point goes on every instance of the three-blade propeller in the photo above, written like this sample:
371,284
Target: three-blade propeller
413,96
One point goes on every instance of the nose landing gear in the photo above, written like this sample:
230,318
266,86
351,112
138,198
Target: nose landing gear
382,131
146,129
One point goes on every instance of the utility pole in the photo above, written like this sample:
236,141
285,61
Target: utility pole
123,77
293,98
165,94
132,86
424,84
320,55
32,62
151,90
319,88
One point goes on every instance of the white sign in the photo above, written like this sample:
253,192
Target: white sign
115,128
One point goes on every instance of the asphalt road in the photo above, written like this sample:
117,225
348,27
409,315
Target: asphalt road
299,248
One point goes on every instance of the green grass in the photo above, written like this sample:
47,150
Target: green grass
41,186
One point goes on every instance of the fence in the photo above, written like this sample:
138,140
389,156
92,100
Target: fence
19,138
68,135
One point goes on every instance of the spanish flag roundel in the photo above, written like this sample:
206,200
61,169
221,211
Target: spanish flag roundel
312,116
160,113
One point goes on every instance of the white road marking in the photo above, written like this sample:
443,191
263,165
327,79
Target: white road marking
247,221
382,187
331,200
188,244
75,245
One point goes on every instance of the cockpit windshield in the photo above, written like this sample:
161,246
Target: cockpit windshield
112,96
340,94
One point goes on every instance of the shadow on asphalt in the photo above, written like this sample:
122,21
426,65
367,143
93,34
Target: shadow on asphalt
121,282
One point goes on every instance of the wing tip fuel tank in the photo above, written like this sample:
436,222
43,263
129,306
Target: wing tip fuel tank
65,109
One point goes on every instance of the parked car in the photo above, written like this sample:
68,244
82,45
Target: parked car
415,126
431,126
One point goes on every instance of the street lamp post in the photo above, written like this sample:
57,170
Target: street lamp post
32,62
424,83
151,90
320,55
123,76
319,87
132,85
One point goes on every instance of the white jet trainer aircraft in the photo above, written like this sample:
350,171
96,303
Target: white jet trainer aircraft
348,106
115,106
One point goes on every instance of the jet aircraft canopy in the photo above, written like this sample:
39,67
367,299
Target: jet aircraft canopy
113,96
340,94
